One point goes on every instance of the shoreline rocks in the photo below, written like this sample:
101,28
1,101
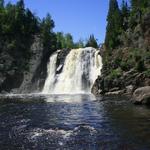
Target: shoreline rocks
142,95
132,84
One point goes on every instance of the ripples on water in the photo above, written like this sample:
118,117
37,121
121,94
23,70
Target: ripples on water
74,122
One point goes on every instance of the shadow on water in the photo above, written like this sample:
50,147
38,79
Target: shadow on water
73,122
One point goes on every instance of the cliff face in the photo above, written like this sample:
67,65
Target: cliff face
31,80
29,84
128,66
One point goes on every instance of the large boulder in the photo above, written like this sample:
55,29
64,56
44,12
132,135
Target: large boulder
142,95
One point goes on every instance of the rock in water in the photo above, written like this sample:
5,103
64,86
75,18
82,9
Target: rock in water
142,95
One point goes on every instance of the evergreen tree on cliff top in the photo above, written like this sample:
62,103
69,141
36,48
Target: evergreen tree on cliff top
48,36
113,25
125,14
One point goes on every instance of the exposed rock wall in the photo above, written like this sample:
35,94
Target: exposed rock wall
31,80
28,85
61,59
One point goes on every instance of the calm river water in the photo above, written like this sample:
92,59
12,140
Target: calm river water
74,122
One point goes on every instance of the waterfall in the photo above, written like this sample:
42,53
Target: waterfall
80,70
51,69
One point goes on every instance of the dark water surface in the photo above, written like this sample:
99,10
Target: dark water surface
75,122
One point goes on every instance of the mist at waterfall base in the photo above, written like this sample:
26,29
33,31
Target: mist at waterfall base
80,70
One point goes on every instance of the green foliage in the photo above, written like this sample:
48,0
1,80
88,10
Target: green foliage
69,41
114,25
47,34
140,66
17,29
147,73
115,73
140,4
124,65
79,44
91,42
124,15
66,41
120,53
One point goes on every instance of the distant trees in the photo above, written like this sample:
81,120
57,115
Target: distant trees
79,44
69,41
123,18
91,42
64,40
60,40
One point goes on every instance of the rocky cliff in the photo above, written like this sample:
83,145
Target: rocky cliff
30,80
128,66
28,83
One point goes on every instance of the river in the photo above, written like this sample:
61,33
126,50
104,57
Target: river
74,122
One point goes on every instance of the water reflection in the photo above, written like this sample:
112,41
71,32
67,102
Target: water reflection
70,98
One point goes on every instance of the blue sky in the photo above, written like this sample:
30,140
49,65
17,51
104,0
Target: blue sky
78,17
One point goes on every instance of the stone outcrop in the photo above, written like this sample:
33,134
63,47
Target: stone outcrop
128,82
142,95
61,59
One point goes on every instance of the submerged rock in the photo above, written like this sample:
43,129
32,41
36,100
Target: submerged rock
142,95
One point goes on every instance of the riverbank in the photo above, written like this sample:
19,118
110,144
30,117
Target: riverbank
132,84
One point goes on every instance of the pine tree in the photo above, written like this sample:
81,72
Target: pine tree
124,14
92,42
47,26
48,36
114,25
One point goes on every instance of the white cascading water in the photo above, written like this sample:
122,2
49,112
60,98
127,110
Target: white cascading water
81,69
51,69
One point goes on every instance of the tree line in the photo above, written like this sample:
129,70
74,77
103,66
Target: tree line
119,19
18,28
126,46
